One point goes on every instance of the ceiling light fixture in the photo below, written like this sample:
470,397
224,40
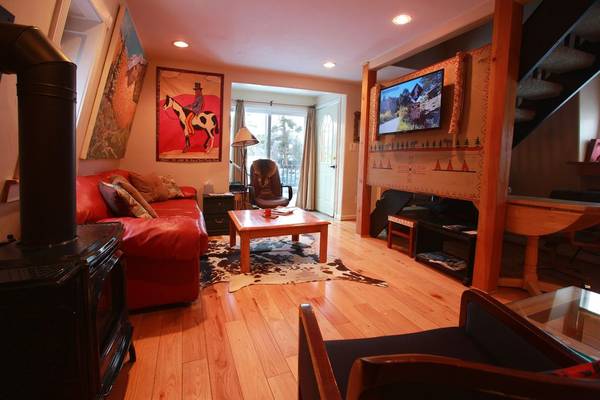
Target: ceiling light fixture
402,19
181,44
329,64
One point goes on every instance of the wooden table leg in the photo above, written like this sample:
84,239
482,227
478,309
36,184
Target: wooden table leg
323,244
389,235
244,253
530,276
411,241
232,233
295,237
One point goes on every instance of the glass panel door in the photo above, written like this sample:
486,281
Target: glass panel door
257,122
287,144
280,132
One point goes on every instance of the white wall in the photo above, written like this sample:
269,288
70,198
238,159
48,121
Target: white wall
540,162
141,151
589,115
39,13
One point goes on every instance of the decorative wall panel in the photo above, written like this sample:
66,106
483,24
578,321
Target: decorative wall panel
447,161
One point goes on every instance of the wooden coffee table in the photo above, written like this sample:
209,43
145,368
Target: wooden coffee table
250,224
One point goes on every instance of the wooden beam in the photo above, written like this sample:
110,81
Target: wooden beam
504,69
363,203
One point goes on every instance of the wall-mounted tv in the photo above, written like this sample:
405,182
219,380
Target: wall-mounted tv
412,105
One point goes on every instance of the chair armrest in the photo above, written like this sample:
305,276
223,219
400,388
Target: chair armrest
447,374
290,192
531,334
315,375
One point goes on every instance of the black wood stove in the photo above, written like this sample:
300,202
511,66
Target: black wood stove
64,329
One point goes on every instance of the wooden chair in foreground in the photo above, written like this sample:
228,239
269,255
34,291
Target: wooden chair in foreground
493,354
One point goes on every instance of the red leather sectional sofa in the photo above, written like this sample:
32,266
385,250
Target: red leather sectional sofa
162,255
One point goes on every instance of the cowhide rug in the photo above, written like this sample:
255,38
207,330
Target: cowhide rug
274,261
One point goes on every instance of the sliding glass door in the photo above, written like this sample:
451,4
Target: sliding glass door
280,132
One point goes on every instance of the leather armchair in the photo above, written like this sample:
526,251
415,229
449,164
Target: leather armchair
493,354
266,190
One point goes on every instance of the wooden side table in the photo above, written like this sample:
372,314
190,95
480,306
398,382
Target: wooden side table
402,227
215,207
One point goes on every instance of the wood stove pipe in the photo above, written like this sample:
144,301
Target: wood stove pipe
46,83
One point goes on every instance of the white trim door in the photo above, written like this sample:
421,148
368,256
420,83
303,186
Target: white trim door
328,126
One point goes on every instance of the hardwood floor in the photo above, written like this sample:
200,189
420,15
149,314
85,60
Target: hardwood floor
243,345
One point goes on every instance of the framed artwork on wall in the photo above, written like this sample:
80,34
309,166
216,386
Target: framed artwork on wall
118,93
189,110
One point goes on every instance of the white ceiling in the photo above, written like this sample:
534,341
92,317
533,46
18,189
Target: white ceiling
295,36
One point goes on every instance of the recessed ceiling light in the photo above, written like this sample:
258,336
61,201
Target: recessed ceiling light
181,44
329,64
402,19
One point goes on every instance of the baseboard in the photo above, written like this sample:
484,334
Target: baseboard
347,218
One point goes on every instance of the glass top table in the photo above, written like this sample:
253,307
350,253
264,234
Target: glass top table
571,315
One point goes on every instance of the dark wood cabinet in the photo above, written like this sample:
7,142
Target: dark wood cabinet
433,237
215,209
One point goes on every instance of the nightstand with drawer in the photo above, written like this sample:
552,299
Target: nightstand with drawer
215,209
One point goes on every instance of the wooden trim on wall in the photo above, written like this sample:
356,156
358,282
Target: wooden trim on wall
504,69
363,203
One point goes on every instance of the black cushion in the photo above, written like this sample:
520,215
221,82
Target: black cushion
503,344
449,342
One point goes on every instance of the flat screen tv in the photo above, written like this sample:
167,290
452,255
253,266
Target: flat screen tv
412,105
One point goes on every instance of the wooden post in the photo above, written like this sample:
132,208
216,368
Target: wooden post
363,203
504,68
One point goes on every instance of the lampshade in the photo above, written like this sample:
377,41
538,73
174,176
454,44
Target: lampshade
244,138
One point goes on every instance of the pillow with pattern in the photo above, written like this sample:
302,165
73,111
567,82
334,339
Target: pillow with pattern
124,183
150,186
173,190
121,203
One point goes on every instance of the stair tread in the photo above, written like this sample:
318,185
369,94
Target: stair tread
524,115
589,27
564,59
537,89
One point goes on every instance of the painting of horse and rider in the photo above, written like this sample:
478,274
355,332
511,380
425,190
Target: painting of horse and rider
189,109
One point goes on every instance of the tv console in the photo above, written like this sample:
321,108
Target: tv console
446,238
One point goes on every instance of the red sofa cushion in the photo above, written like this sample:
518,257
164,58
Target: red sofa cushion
167,238
177,207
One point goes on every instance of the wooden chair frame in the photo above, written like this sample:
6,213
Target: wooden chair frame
370,372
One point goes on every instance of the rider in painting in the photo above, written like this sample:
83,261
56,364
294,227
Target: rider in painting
195,107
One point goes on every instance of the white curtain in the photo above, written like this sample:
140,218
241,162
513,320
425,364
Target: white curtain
237,152
306,197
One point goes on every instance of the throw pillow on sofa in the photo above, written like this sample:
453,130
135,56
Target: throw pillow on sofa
150,186
174,191
124,183
120,202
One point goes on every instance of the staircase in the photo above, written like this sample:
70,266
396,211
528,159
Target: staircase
560,53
